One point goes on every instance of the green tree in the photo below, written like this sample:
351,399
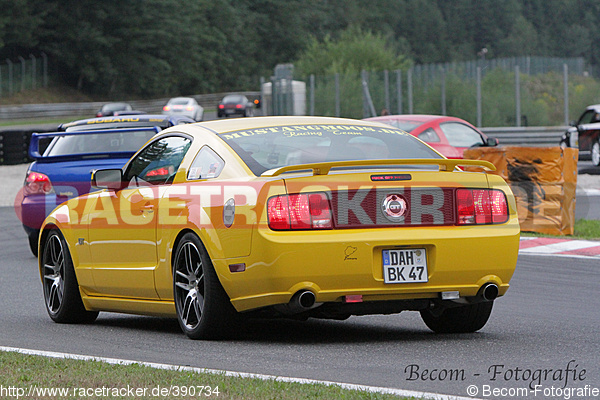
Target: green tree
355,50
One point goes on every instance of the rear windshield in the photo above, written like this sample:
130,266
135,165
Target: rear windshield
407,126
87,143
116,106
233,99
266,148
179,102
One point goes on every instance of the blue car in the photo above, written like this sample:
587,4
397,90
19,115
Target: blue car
65,159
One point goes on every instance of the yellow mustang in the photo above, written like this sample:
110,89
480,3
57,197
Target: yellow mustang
283,217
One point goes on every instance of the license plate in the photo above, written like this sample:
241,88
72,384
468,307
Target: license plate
405,266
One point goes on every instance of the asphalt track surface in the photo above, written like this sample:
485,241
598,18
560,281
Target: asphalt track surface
548,320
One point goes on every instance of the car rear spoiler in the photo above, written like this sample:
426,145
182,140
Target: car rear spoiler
324,167
34,144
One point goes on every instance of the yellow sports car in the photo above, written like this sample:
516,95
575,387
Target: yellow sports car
294,217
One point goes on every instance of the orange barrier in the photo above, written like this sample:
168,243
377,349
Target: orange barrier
543,180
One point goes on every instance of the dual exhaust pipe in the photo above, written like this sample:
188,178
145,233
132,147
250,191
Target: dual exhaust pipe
305,299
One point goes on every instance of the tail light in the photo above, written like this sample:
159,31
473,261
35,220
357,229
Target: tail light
481,206
299,211
221,106
166,108
189,108
239,106
37,183
162,171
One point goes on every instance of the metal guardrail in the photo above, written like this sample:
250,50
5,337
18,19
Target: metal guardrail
14,142
527,136
40,111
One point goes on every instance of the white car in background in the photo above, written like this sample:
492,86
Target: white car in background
186,106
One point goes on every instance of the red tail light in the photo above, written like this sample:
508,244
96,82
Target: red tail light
158,172
189,108
166,108
239,106
481,206
299,211
37,183
221,106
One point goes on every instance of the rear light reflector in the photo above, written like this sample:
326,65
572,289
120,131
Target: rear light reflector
239,106
353,298
221,106
37,183
481,206
237,267
299,211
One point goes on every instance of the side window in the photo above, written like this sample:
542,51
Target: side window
587,117
157,163
460,135
206,165
429,136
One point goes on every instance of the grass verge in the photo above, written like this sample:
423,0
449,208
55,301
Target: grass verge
585,229
101,380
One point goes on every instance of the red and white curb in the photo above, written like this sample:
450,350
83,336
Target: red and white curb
559,247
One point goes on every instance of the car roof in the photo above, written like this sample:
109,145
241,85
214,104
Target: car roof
181,99
241,124
233,96
413,117
595,107
160,120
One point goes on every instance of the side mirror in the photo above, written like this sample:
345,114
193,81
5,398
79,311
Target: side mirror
107,179
492,142
572,123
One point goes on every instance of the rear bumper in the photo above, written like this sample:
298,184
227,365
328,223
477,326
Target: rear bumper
230,111
334,264
35,209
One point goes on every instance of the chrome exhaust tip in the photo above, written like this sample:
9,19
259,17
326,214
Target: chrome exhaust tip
304,299
489,291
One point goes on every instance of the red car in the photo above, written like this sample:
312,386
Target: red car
450,136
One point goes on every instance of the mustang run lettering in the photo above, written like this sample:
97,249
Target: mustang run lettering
311,130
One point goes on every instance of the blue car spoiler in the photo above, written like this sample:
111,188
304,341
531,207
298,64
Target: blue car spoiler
34,144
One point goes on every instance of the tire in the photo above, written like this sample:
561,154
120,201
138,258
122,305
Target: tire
61,291
596,153
204,310
33,242
463,319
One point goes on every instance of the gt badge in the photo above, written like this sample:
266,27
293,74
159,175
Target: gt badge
394,207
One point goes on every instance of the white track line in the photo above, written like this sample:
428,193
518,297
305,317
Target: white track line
350,386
